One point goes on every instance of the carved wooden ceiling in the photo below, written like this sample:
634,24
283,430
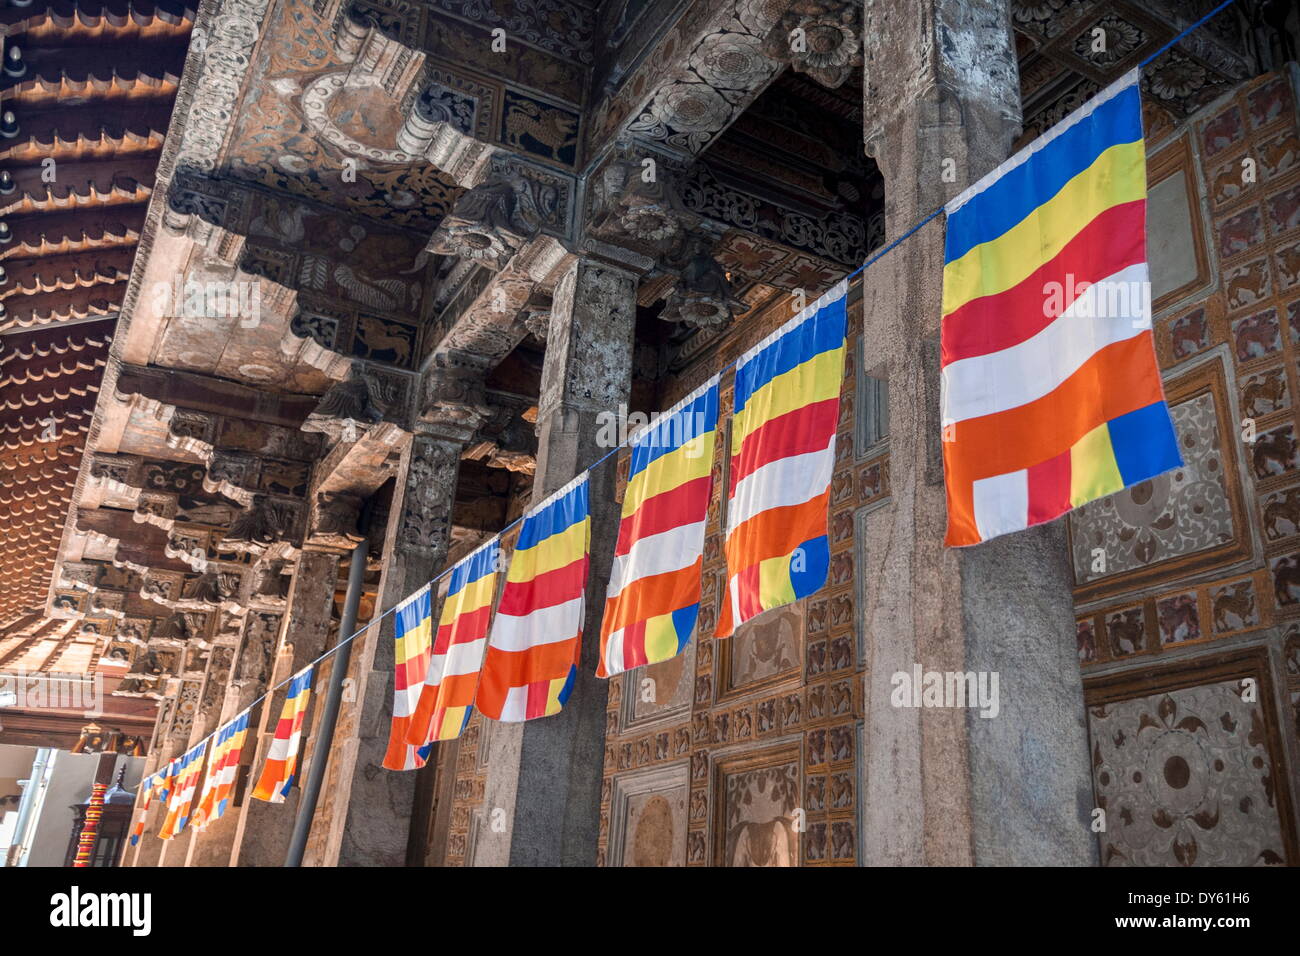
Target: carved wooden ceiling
83,124
1070,49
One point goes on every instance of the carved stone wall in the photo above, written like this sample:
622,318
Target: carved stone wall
1179,574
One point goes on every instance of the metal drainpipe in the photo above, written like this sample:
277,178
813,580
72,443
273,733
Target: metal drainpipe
329,716
31,799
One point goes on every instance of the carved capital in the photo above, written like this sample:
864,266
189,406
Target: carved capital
267,521
493,220
349,409
333,523
702,298
452,401
634,199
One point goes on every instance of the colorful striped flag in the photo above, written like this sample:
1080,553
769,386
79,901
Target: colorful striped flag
532,654
412,624
654,586
222,769
282,756
167,778
447,699
787,407
181,794
149,787
1051,396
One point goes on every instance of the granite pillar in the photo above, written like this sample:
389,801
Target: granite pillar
542,801
946,785
263,829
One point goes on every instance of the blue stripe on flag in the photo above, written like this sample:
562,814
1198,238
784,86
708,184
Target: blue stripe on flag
1021,190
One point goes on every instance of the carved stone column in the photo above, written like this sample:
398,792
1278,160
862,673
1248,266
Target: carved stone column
364,817
546,774
947,786
252,657
264,828
182,705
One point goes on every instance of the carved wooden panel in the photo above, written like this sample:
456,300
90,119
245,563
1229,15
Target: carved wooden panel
649,817
1188,765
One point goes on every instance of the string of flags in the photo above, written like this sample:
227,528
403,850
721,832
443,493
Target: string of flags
1050,396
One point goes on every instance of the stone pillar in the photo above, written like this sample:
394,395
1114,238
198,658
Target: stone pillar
184,697
250,669
544,775
154,760
946,786
263,830
365,811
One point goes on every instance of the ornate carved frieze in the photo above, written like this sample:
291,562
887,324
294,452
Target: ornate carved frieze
225,38
822,38
714,76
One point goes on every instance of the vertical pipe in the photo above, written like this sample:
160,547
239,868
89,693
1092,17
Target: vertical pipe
324,734
27,804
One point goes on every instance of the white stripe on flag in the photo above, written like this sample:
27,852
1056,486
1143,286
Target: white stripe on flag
669,550
614,653
781,483
1002,503
547,625
465,658
515,708
1014,376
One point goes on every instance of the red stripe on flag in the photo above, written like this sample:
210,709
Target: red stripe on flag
1113,241
806,429
545,590
685,504
1049,489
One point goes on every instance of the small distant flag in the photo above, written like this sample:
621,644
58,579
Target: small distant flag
1051,396
282,756
412,625
536,637
167,778
148,788
447,698
223,766
653,597
787,408
182,791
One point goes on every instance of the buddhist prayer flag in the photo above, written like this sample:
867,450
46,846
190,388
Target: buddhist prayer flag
282,756
223,766
181,794
412,625
148,787
1051,396
654,587
447,698
167,778
787,407
536,637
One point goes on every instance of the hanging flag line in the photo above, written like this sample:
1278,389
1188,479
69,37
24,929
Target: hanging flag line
870,261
